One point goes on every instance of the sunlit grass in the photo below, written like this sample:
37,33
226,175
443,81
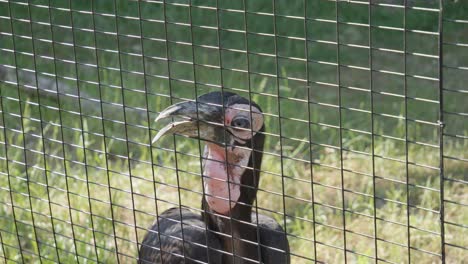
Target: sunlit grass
66,199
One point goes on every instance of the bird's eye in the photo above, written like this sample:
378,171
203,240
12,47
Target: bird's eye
241,122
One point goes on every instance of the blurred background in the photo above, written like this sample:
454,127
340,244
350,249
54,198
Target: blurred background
355,95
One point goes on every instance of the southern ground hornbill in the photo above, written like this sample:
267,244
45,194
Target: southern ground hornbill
227,230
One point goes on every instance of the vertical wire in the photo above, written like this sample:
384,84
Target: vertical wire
122,89
338,75
198,125
252,143
371,88
82,132
408,211
275,31
42,128
198,118
6,141
174,143
158,234
309,114
9,178
104,132
24,147
441,130
257,179
62,138
259,249
2,243
228,181
226,162
220,62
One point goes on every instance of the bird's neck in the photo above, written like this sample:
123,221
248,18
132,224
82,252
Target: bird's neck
237,234
222,173
235,229
233,221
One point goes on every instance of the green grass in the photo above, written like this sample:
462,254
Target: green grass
90,172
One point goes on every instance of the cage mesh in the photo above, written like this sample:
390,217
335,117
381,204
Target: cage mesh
365,158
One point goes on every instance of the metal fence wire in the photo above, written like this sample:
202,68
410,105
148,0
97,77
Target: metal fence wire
364,104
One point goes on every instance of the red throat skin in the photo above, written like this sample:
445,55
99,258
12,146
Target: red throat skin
222,195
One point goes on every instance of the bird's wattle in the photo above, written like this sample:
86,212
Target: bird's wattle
222,176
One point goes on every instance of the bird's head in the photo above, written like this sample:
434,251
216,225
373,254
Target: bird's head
232,128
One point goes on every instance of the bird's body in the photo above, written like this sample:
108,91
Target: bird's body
227,231
194,233
176,226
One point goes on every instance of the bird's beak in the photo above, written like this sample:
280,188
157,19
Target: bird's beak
196,120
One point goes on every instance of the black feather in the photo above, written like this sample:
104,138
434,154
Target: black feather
179,235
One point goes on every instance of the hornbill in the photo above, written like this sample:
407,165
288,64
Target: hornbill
227,230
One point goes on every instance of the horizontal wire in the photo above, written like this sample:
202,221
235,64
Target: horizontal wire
175,204
422,77
141,55
456,246
193,155
267,114
217,8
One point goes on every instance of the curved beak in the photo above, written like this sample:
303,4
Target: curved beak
196,120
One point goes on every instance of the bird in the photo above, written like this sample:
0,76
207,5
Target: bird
227,230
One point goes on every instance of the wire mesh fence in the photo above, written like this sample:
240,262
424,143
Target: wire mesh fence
364,105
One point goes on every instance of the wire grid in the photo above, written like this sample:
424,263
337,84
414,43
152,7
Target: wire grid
364,103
